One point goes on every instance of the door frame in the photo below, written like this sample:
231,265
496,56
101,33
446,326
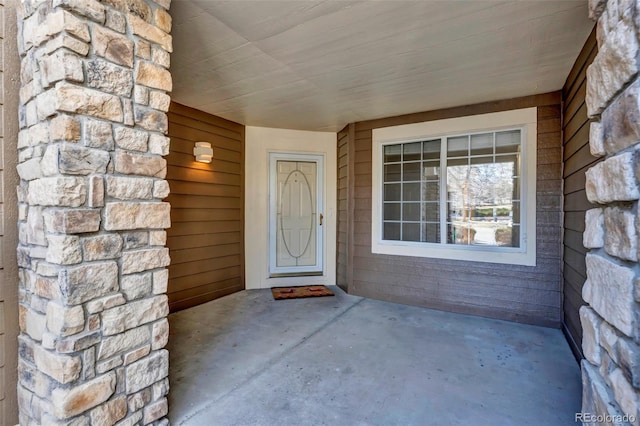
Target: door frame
319,267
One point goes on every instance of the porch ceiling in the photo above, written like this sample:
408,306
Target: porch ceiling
317,65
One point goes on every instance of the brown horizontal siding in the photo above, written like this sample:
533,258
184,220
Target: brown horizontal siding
342,257
201,294
9,180
205,241
512,292
461,111
577,160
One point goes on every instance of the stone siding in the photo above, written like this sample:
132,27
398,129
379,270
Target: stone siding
91,255
611,320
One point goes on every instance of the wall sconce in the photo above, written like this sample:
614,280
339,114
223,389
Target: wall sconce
203,152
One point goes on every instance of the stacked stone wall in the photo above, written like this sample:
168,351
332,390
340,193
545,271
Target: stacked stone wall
611,320
92,255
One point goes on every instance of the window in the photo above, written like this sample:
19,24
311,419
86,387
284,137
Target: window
481,204
461,188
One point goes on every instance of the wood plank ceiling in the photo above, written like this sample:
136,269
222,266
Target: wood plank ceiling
317,65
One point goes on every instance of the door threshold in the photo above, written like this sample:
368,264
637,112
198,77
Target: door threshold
297,274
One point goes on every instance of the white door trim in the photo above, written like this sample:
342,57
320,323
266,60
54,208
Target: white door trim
318,268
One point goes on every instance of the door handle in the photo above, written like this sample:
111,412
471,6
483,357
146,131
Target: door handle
321,218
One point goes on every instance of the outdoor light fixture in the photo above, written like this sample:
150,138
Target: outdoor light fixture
203,152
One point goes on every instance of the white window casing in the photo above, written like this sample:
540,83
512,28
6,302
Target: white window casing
524,119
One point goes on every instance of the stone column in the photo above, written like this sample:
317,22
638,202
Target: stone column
92,256
610,321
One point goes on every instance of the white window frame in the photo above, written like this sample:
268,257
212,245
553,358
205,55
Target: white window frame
526,119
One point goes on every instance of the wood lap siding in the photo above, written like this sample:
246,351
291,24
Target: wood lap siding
343,211
9,85
577,160
9,330
511,292
205,240
4,278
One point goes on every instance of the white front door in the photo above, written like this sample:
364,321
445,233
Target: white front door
295,219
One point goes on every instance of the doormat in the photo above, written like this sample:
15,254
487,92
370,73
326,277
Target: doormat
280,293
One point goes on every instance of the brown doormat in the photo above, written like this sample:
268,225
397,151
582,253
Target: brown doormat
280,293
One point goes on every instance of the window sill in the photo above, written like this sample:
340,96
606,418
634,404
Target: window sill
503,255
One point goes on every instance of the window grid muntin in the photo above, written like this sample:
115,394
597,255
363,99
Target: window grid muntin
443,201
422,180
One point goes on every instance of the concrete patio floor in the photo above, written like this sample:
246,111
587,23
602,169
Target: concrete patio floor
246,359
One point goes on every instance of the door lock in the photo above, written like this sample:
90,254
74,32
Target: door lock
321,218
